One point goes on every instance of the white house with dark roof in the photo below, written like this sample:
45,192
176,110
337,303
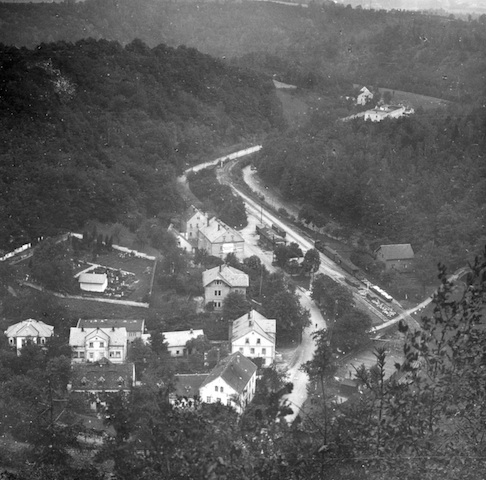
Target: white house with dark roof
93,282
94,344
218,282
135,326
31,330
365,95
397,256
218,239
192,220
232,382
254,336
176,341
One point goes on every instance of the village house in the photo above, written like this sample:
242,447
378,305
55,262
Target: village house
192,220
93,282
398,257
135,326
218,239
186,393
29,330
254,336
232,382
364,96
94,380
94,344
378,114
176,341
218,282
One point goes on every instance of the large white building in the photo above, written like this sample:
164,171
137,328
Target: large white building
218,282
232,382
254,336
31,330
218,239
94,344
93,282
135,326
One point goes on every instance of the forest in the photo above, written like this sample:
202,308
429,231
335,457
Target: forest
94,130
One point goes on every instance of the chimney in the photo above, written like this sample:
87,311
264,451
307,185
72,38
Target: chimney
220,267
219,226
192,331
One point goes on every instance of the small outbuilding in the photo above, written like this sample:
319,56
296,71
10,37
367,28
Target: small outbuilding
93,282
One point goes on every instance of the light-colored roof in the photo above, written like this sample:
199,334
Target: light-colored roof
179,339
30,328
191,211
254,322
102,375
117,336
94,278
187,385
219,232
236,370
132,324
401,251
229,275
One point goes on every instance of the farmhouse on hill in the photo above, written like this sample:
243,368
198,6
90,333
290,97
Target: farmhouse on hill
398,256
218,282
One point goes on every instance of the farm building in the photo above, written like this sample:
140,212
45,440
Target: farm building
398,257
93,282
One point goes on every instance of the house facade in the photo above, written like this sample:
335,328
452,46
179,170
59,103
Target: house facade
135,326
176,341
31,330
193,219
93,282
254,336
365,95
232,382
219,281
218,239
95,344
379,114
398,257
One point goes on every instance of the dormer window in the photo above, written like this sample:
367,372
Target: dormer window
247,341
258,341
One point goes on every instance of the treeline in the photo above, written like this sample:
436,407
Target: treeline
94,130
418,180
320,46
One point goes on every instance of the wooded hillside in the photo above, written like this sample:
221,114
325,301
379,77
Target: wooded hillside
94,130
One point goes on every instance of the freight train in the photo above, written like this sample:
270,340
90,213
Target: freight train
345,264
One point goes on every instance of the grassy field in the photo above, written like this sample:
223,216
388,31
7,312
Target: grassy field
93,309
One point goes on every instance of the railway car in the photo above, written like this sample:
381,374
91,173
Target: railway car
279,230
381,293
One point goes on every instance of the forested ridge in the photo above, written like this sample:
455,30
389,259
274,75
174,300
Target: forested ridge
94,130
327,46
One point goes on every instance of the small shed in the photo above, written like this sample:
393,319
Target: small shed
93,282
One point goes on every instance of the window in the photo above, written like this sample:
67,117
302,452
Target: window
228,402
258,341
118,354
216,388
102,344
217,293
43,341
247,341
220,389
208,400
112,354
91,344
218,400
252,350
91,356
177,352
81,354
264,351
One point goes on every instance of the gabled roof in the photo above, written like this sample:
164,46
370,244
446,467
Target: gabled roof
187,385
191,211
236,370
93,278
254,322
30,328
102,375
229,275
402,251
219,232
178,339
131,324
77,336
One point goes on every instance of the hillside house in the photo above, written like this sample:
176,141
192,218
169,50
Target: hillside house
29,330
364,96
398,257
218,282
379,114
232,382
176,341
135,326
218,239
94,344
94,380
192,220
93,282
254,336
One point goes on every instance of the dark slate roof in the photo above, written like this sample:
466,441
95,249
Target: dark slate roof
102,375
236,370
131,324
187,385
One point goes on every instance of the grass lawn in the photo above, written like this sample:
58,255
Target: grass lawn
92,309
